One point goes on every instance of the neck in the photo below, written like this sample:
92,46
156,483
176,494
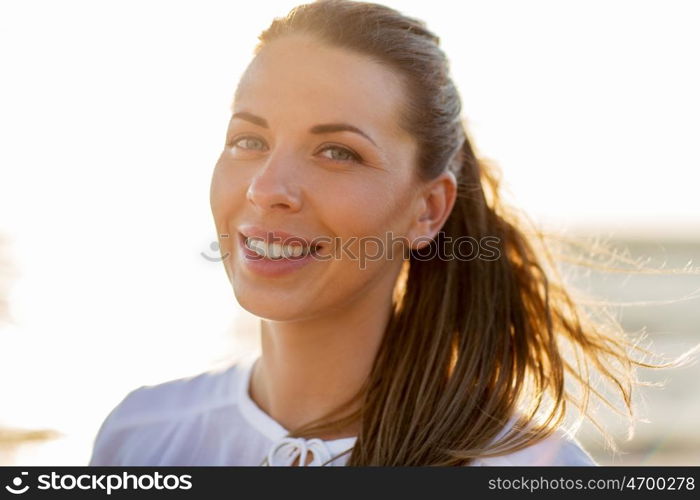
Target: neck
309,368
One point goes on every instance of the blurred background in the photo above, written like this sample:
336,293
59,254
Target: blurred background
112,116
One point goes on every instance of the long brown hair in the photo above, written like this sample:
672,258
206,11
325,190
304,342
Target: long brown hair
471,344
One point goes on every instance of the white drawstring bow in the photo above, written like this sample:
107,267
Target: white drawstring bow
288,449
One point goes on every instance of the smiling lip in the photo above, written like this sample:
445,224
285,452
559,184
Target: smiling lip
275,236
271,268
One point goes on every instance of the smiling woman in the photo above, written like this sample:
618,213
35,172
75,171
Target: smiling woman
343,196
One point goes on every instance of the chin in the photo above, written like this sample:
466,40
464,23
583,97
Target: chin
259,303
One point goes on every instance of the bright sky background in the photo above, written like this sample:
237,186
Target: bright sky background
112,116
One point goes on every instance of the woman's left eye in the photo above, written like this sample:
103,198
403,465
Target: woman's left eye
341,154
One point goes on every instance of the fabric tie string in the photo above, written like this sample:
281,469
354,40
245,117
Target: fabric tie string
289,449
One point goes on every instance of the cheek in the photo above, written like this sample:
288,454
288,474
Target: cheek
224,192
365,209
226,197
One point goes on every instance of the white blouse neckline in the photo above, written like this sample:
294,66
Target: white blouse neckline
291,447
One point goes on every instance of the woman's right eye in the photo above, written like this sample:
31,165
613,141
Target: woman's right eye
248,142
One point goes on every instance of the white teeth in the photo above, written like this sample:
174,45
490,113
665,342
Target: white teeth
275,250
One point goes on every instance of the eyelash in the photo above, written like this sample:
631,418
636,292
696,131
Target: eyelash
355,158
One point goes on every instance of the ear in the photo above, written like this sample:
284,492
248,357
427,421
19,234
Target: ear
434,206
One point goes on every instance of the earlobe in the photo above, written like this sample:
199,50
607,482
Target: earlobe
420,224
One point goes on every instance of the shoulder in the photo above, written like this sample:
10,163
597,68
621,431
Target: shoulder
191,394
159,403
559,449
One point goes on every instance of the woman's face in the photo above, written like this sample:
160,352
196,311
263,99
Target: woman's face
282,171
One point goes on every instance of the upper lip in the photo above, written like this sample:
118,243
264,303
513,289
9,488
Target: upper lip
275,236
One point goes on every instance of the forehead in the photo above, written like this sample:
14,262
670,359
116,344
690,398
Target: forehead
298,76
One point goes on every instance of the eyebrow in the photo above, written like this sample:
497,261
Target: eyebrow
325,128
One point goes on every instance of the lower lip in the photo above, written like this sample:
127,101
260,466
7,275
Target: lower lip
269,267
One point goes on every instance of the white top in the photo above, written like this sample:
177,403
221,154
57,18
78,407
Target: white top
210,419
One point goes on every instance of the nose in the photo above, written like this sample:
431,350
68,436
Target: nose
275,186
